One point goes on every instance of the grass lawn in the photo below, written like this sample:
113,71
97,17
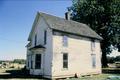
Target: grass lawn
16,74
3,71
94,77
98,77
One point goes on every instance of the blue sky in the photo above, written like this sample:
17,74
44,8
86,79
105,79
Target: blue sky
16,19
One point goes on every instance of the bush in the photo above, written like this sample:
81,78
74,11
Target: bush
117,64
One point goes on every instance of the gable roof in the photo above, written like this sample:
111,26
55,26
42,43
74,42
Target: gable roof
69,26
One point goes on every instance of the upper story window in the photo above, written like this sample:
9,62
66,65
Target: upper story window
45,37
65,41
93,60
35,39
92,45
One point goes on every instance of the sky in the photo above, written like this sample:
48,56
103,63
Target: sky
16,19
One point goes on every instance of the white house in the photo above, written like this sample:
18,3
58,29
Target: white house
61,48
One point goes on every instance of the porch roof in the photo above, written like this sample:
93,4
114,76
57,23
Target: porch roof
37,47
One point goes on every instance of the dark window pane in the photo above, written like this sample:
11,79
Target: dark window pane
65,64
31,64
38,61
65,56
38,65
45,37
65,60
93,60
35,39
28,64
38,57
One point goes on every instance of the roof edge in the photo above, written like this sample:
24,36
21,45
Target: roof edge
33,25
100,38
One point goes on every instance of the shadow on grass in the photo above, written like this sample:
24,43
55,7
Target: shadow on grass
19,74
111,70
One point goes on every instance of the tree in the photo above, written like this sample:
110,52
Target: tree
103,16
110,59
117,58
20,61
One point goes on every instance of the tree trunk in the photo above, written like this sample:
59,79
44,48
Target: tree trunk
104,54
104,60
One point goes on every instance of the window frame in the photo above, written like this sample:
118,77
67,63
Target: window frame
28,63
92,45
38,62
45,37
93,57
35,42
65,60
65,40
31,62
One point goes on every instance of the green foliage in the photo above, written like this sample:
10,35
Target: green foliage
113,59
0,62
117,59
110,59
20,61
103,16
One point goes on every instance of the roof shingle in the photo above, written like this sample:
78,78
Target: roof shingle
69,26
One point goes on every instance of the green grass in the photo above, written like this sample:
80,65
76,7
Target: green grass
110,68
16,76
3,70
97,77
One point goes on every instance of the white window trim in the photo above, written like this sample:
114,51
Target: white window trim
35,62
93,57
65,40
93,45
65,60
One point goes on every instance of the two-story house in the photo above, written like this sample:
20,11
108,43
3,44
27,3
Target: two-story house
61,48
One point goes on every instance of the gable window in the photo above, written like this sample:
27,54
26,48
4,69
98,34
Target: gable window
65,41
45,37
65,60
38,61
35,39
92,45
93,56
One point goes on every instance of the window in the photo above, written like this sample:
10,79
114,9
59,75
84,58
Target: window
93,60
35,39
92,45
45,37
65,60
65,41
38,61
31,64
28,62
